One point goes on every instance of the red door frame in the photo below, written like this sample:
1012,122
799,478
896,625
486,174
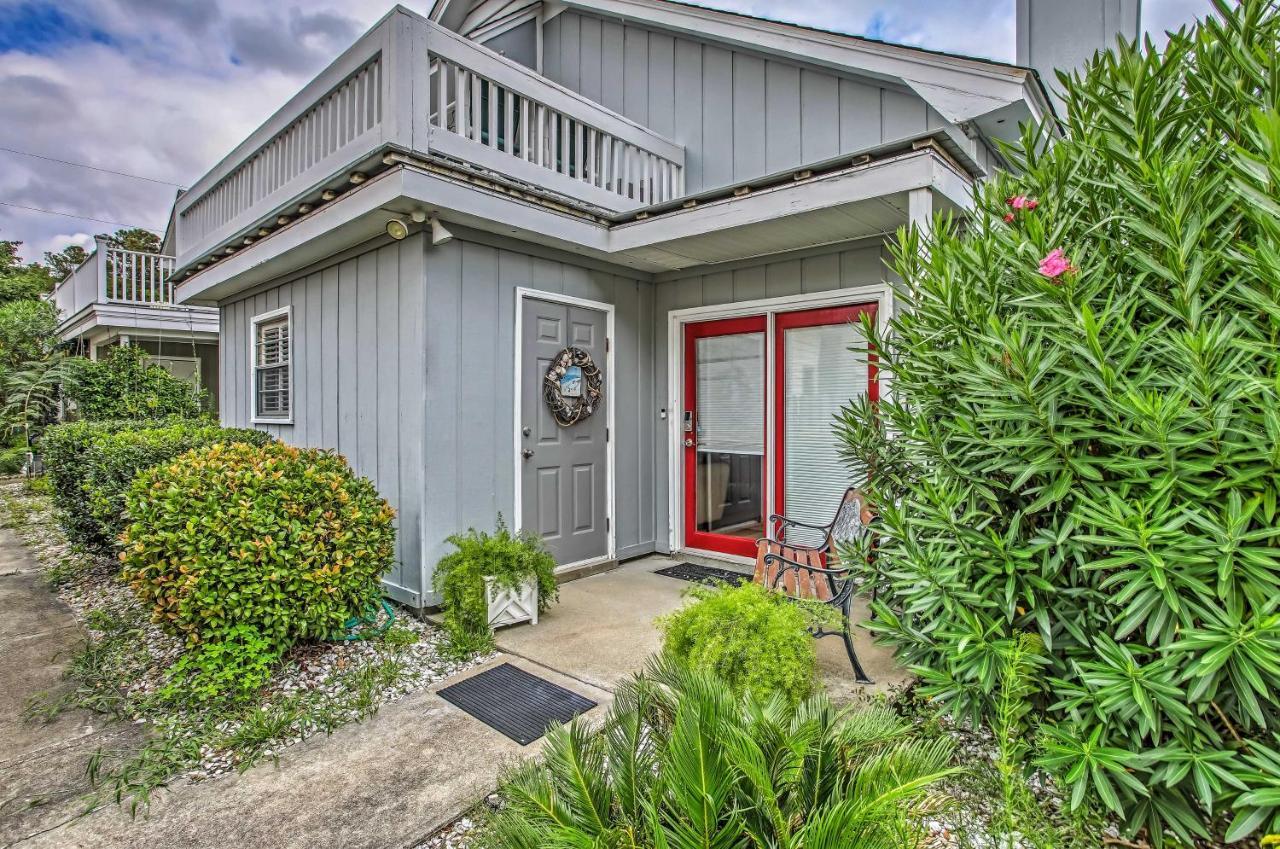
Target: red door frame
693,331
782,322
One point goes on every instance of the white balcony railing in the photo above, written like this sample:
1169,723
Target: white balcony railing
414,86
115,276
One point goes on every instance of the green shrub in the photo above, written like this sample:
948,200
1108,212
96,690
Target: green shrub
283,541
753,639
233,668
12,460
681,762
124,384
510,559
92,463
1086,442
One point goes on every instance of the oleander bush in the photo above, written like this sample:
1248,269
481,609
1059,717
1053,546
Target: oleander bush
752,639
681,762
124,384
246,550
1086,437
510,559
92,463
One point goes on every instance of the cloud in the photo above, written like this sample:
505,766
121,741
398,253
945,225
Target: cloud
165,88
293,43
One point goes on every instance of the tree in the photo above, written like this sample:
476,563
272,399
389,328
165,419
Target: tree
66,260
19,280
27,331
133,239
1082,437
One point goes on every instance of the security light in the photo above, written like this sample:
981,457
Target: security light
439,235
397,229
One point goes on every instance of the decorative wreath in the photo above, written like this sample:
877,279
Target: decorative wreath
572,387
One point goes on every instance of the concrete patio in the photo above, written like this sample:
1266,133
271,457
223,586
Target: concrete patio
602,630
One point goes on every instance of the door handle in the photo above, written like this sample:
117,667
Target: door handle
688,442
527,453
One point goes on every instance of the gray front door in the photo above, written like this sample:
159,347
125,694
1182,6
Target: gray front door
564,470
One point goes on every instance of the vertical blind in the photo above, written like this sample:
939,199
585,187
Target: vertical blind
821,374
730,387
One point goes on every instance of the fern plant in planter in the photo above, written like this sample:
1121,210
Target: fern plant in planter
492,580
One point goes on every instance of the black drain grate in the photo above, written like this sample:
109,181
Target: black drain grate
510,700
703,574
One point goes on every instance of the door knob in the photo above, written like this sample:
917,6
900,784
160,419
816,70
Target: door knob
688,443
527,453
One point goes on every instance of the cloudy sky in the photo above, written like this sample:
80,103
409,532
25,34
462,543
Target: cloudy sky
162,89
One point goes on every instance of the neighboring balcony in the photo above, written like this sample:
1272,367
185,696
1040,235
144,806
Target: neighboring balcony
116,292
411,88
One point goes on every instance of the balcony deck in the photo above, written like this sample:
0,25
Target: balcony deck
412,87
129,290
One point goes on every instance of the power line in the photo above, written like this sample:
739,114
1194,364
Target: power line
90,167
78,217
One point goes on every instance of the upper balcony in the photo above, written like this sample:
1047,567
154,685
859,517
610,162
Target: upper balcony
412,87
128,290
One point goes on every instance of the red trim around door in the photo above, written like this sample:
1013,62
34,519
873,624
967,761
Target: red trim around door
807,318
693,538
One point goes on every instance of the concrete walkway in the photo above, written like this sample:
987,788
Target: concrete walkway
385,783
602,630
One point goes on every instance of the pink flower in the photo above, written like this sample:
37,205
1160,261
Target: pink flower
1032,203
1022,202
1008,218
1055,264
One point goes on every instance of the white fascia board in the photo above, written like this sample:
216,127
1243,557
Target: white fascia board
918,169
362,213
198,322
959,88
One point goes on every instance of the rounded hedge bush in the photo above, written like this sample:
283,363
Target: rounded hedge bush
286,541
92,464
753,639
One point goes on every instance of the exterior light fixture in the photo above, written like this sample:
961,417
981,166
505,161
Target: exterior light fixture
439,235
328,195
304,208
357,178
418,216
397,229
263,231
282,220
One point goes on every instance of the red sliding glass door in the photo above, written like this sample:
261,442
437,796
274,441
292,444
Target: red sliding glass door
723,434
743,457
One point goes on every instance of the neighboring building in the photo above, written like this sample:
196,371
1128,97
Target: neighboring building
120,297
699,201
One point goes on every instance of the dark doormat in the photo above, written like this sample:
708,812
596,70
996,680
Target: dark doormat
510,700
703,574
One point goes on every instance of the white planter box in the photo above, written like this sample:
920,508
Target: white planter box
507,606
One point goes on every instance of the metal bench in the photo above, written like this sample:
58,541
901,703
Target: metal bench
810,571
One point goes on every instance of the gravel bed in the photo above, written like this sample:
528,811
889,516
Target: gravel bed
92,590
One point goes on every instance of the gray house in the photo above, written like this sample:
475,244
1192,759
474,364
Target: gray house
588,264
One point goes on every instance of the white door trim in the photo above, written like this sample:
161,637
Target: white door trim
523,293
879,293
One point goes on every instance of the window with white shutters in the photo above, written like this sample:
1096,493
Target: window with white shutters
272,367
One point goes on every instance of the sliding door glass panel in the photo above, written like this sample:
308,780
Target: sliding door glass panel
729,474
820,375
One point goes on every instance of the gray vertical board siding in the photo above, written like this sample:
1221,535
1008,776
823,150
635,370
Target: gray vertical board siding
841,267
739,113
358,367
469,475
519,44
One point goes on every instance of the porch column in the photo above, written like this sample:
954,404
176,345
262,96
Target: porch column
920,210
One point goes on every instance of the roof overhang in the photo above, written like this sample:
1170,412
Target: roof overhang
856,201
